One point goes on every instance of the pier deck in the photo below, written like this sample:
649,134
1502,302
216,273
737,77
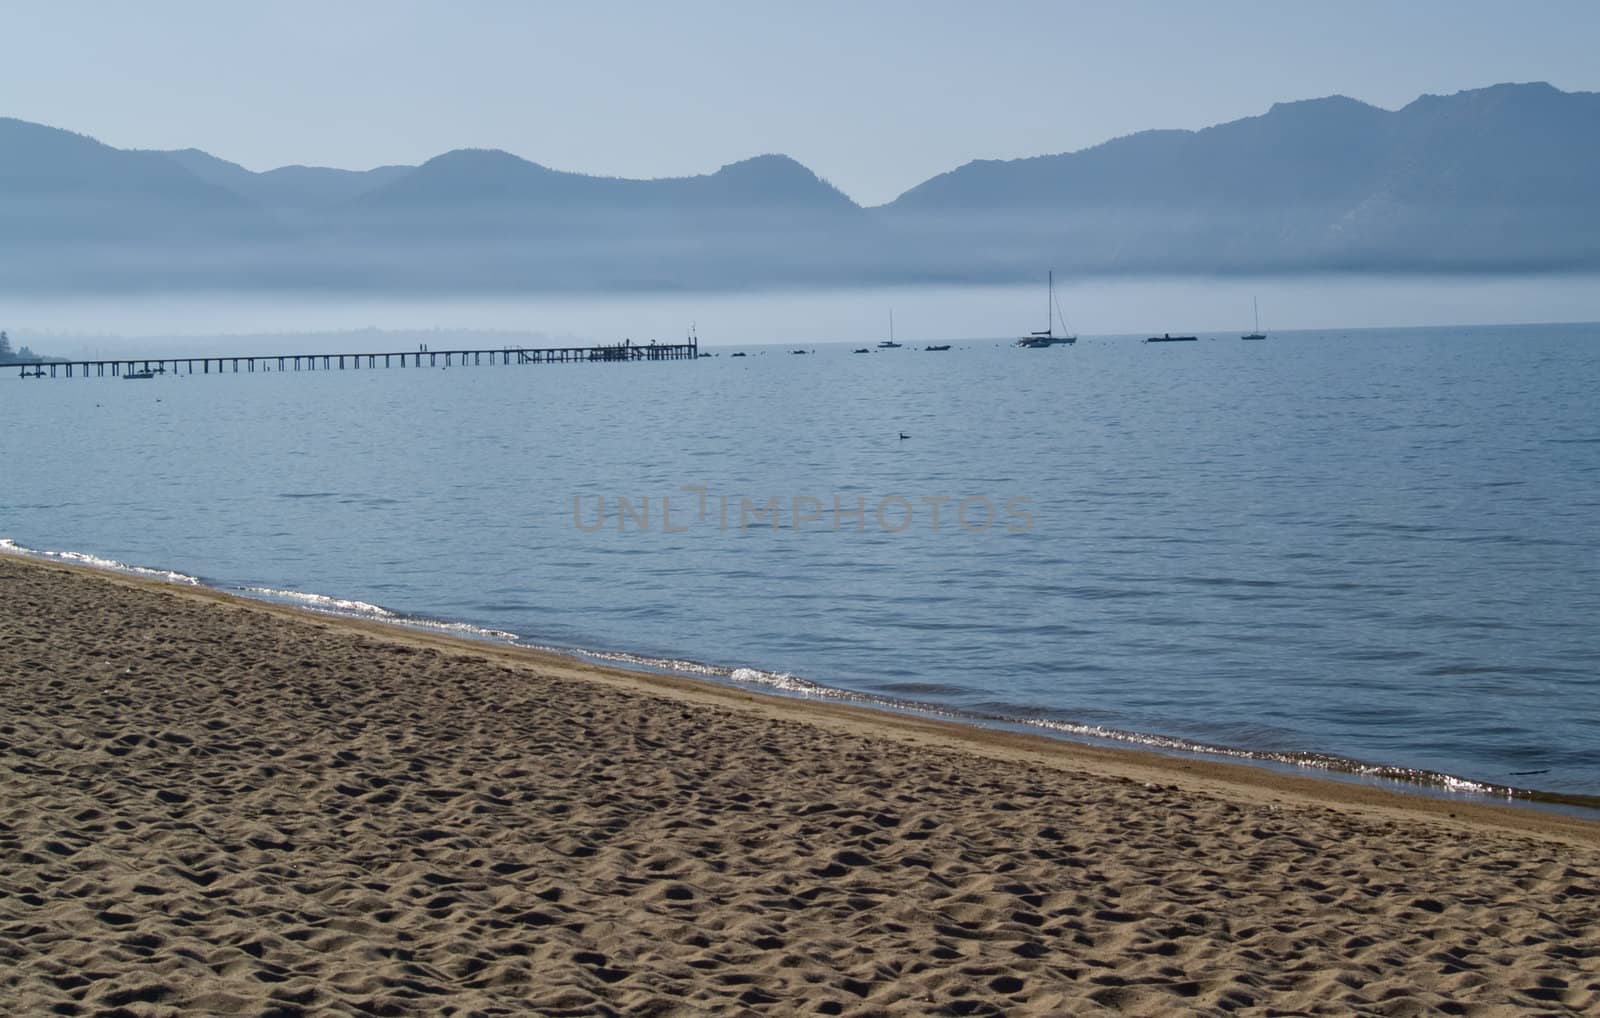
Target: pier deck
244,364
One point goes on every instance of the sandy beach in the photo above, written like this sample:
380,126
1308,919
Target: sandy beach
214,806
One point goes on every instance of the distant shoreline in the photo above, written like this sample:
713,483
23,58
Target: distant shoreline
198,343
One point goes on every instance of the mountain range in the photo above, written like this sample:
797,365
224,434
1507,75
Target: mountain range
1489,180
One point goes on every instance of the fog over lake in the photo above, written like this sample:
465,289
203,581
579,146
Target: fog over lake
155,324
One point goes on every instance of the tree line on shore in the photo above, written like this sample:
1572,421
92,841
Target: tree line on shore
21,355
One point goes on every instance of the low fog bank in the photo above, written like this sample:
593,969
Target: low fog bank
570,254
251,322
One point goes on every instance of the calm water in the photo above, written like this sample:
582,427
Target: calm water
1380,545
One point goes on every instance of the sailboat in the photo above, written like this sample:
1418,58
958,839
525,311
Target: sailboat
1256,333
1040,340
890,344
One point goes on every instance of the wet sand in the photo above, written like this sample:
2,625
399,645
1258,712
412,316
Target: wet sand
214,806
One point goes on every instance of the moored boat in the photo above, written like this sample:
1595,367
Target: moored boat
1256,332
890,344
1040,340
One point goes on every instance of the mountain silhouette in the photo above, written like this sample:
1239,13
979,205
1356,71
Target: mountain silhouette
287,187
1493,179
489,178
46,163
1305,151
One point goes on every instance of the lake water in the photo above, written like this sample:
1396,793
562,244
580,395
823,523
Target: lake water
1341,548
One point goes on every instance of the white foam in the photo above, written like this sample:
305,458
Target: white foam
785,682
1317,761
351,608
661,663
10,547
781,681
322,601
466,628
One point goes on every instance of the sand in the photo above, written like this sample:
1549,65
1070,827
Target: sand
212,806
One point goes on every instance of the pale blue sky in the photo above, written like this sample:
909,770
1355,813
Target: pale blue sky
876,97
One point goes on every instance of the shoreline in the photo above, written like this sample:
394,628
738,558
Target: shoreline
217,805
1193,770
784,687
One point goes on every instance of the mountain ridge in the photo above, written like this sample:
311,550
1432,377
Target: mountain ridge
1490,179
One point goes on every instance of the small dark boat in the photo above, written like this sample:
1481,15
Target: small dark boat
132,375
800,353
941,346
1168,337
861,350
741,353
1043,342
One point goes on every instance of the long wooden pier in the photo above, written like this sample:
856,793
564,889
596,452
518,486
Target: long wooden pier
121,367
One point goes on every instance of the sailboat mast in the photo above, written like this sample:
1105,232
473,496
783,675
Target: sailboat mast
891,325
1049,310
1254,306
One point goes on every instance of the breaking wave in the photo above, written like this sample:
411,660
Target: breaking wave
83,558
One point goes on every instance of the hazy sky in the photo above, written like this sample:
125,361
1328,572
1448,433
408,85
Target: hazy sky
874,96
